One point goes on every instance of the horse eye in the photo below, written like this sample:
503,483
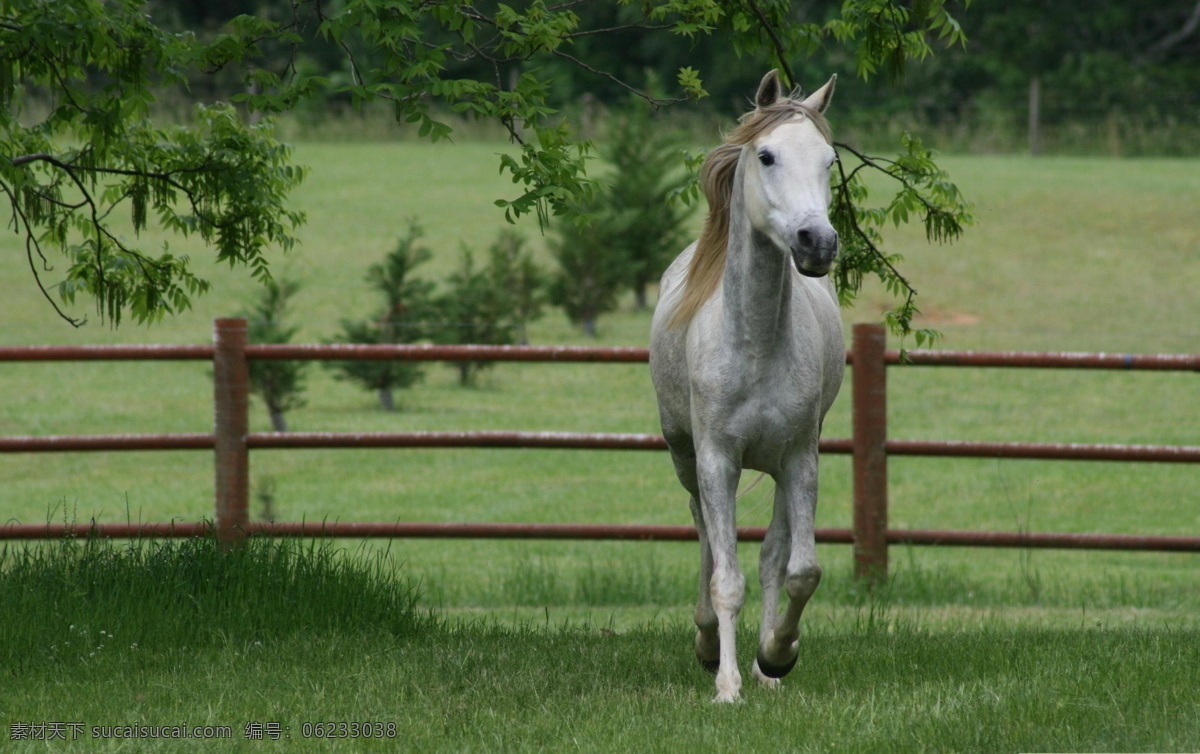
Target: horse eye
766,158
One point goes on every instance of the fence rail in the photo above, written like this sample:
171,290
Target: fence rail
869,446
346,351
584,441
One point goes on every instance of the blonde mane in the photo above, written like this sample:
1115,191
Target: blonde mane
716,180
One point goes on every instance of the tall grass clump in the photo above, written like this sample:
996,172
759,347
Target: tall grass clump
919,582
535,582
69,600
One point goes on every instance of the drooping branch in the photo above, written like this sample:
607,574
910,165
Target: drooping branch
845,204
945,223
779,50
168,178
32,247
925,191
655,101
1160,49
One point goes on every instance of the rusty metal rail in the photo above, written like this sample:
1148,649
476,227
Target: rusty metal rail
1044,451
400,529
328,352
582,441
870,447
286,440
108,353
551,440
344,351
1059,360
83,443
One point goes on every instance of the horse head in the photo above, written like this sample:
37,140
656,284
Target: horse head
786,175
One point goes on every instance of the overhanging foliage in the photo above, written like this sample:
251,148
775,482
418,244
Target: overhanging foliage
96,151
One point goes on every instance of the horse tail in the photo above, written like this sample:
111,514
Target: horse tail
755,483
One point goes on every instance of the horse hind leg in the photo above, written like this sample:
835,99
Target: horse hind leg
708,644
780,648
707,641
772,568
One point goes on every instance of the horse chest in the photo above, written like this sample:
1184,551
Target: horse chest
763,407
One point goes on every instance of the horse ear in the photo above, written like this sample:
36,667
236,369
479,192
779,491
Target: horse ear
819,100
768,91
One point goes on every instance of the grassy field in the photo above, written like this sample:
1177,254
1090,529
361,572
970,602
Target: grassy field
555,645
294,639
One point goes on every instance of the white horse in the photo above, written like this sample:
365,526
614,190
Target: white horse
746,354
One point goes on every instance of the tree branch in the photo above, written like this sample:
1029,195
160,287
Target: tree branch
1159,49
32,246
852,216
780,49
35,157
930,208
627,27
655,101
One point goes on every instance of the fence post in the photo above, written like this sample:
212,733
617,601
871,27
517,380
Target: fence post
231,398
870,452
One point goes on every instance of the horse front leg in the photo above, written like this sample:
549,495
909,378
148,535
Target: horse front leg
718,478
778,647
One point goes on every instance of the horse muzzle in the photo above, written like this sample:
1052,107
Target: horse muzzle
815,250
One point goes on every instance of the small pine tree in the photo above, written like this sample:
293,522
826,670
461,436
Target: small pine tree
518,278
637,208
593,268
635,228
407,307
280,384
490,305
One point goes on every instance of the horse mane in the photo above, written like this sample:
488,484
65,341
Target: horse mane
716,180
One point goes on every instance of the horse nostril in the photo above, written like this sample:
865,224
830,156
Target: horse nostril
807,240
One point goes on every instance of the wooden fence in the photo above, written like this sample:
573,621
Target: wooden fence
870,447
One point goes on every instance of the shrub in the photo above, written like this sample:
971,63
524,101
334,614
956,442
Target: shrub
408,305
634,227
643,220
280,384
490,305
592,269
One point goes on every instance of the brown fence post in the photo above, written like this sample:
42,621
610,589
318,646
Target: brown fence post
231,398
870,452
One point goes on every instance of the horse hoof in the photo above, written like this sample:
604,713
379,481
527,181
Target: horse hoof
774,670
771,684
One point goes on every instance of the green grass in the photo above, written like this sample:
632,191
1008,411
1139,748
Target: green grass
155,634
69,601
529,689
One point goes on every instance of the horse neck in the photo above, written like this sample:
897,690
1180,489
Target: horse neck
757,287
